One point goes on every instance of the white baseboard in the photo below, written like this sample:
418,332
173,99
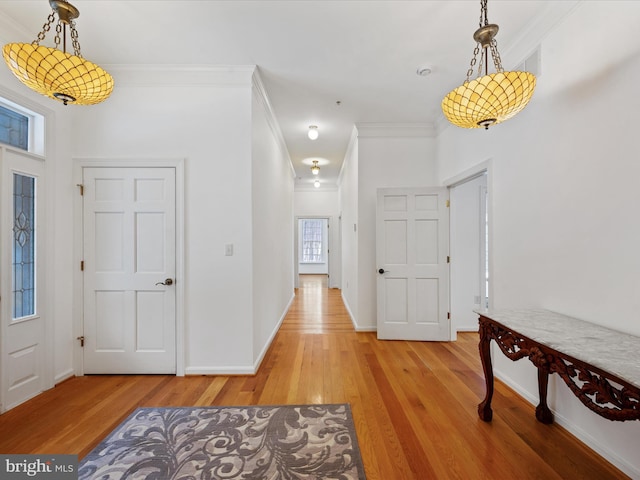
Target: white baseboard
267,345
467,329
365,329
61,377
356,327
243,370
230,370
573,428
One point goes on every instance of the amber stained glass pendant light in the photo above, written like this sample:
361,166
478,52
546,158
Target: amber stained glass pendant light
492,98
54,72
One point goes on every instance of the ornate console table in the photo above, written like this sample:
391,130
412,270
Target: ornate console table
599,365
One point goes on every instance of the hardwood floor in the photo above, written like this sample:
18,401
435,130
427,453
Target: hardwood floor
414,403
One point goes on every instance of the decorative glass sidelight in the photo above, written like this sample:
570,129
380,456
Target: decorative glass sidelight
24,242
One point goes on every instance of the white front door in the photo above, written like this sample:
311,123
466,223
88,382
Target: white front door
412,243
23,352
129,243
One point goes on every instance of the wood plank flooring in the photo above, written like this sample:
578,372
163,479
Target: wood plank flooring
414,403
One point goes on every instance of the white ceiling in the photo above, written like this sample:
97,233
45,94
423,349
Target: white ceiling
311,54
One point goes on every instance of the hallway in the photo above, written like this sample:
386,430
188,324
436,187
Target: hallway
414,403
317,308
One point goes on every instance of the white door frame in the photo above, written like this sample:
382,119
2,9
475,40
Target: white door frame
465,176
78,316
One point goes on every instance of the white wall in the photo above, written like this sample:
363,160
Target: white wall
272,225
348,195
564,199
323,203
209,125
387,156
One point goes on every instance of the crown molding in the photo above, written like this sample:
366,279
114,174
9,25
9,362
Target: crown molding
262,97
353,139
328,187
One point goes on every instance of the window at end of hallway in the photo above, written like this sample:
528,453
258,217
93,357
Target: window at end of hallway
312,241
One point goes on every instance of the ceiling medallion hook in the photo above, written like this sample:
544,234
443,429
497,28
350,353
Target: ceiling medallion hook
66,12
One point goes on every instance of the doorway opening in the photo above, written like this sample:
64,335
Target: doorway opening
312,250
470,280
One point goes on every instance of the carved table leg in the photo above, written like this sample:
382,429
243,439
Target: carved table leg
543,414
484,409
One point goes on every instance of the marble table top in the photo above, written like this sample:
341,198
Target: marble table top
614,352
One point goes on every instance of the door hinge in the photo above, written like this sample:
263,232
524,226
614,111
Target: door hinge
82,265
448,203
448,315
81,338
81,188
448,259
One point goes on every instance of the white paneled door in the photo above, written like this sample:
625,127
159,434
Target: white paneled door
129,229
412,244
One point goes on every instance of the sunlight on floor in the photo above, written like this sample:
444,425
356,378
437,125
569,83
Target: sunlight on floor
311,312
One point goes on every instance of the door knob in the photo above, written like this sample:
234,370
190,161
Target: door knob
381,271
168,281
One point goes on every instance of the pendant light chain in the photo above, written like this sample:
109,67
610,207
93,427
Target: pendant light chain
483,23
59,31
497,62
74,39
493,46
56,39
484,16
483,13
473,62
45,28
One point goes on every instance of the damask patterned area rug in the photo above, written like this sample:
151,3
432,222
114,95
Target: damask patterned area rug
289,442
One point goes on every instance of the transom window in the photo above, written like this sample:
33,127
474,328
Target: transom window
14,128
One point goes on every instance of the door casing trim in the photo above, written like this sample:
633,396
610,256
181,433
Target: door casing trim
78,315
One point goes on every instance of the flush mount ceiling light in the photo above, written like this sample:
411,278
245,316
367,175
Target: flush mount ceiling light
53,72
315,169
313,132
493,98
316,183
